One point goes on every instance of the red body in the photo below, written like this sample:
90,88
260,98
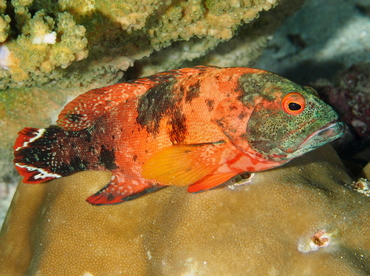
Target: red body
173,128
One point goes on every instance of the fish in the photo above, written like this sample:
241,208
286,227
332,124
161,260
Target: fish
194,127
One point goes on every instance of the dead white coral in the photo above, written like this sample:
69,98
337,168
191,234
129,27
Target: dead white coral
45,39
4,57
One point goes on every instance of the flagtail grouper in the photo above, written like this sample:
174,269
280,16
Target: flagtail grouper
195,127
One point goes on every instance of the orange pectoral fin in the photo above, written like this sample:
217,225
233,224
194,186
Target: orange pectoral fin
183,165
210,182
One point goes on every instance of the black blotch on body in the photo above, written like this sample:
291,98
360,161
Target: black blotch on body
160,102
156,103
177,127
210,104
91,149
48,151
77,164
193,92
107,158
81,136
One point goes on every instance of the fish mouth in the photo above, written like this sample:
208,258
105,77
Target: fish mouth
324,135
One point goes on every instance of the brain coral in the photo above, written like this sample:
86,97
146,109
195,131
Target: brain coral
295,220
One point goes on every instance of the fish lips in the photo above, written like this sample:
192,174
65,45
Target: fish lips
320,137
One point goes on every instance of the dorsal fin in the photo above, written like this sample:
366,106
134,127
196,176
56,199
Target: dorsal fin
86,108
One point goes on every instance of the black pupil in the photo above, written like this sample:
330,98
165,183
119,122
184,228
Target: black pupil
294,106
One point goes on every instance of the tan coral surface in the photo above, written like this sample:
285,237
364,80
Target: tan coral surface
295,220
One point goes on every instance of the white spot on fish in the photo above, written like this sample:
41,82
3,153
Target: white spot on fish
39,134
42,173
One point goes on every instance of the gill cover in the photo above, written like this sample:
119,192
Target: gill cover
273,117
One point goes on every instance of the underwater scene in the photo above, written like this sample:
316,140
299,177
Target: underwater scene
185,137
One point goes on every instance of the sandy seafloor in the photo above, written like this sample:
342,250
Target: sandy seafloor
325,36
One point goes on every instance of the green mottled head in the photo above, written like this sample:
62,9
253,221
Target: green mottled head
279,119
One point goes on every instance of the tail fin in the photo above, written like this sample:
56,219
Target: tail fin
36,155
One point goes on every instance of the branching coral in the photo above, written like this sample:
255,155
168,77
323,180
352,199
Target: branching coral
39,49
47,38
299,219
4,27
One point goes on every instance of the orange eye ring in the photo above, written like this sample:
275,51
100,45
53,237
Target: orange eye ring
293,103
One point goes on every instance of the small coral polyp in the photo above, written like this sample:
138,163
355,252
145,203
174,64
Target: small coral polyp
319,240
4,27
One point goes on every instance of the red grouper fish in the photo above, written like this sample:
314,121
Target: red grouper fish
195,127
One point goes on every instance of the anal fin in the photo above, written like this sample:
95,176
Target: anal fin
121,189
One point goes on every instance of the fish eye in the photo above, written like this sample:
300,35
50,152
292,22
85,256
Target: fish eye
293,103
294,106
